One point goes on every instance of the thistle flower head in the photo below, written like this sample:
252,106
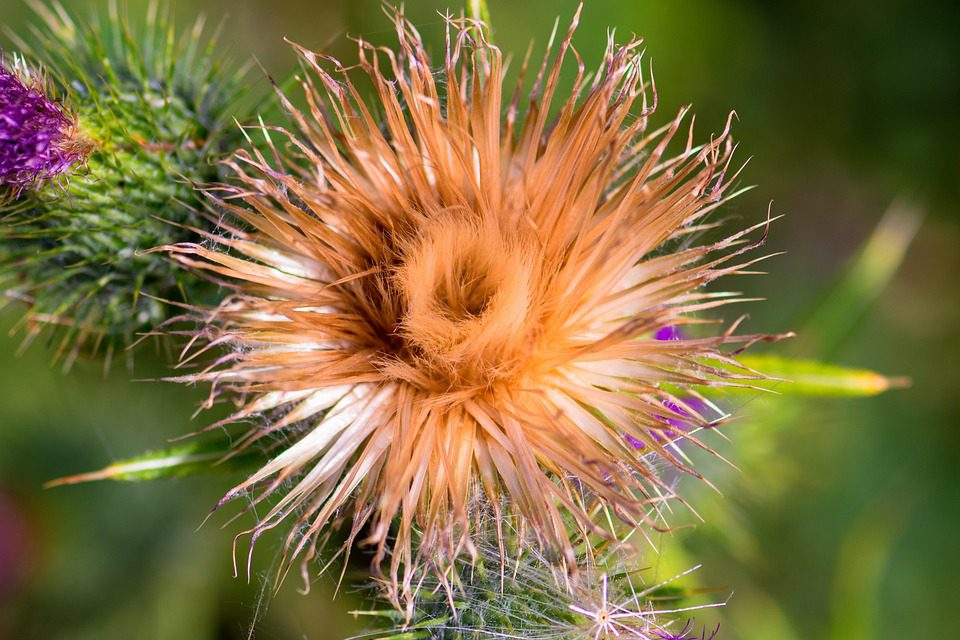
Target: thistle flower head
461,296
37,140
156,111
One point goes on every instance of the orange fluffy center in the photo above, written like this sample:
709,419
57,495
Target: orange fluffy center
468,300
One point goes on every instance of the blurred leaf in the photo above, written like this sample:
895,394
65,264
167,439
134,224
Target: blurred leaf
479,10
811,378
862,565
869,273
186,460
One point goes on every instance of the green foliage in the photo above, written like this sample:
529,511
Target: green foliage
158,112
810,378
832,321
186,460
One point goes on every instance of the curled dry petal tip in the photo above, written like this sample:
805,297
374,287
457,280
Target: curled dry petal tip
449,301
687,633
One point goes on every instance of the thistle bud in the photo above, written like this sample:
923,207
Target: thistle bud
153,114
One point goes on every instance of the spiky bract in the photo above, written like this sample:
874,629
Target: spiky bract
460,296
156,112
509,591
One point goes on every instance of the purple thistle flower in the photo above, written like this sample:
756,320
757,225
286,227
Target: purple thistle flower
36,136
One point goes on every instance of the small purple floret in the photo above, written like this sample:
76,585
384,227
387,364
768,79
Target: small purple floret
682,421
34,135
670,332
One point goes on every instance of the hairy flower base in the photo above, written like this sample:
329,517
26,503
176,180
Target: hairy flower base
457,298
510,591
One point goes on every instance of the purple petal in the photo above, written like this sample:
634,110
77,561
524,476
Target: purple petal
33,134
670,332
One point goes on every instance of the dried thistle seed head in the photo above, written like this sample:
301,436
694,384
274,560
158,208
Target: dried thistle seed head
157,111
38,139
460,297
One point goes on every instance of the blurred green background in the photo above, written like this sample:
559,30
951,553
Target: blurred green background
843,523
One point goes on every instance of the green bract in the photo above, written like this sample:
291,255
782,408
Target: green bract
158,110
509,590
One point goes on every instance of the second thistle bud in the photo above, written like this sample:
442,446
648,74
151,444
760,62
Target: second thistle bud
101,164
